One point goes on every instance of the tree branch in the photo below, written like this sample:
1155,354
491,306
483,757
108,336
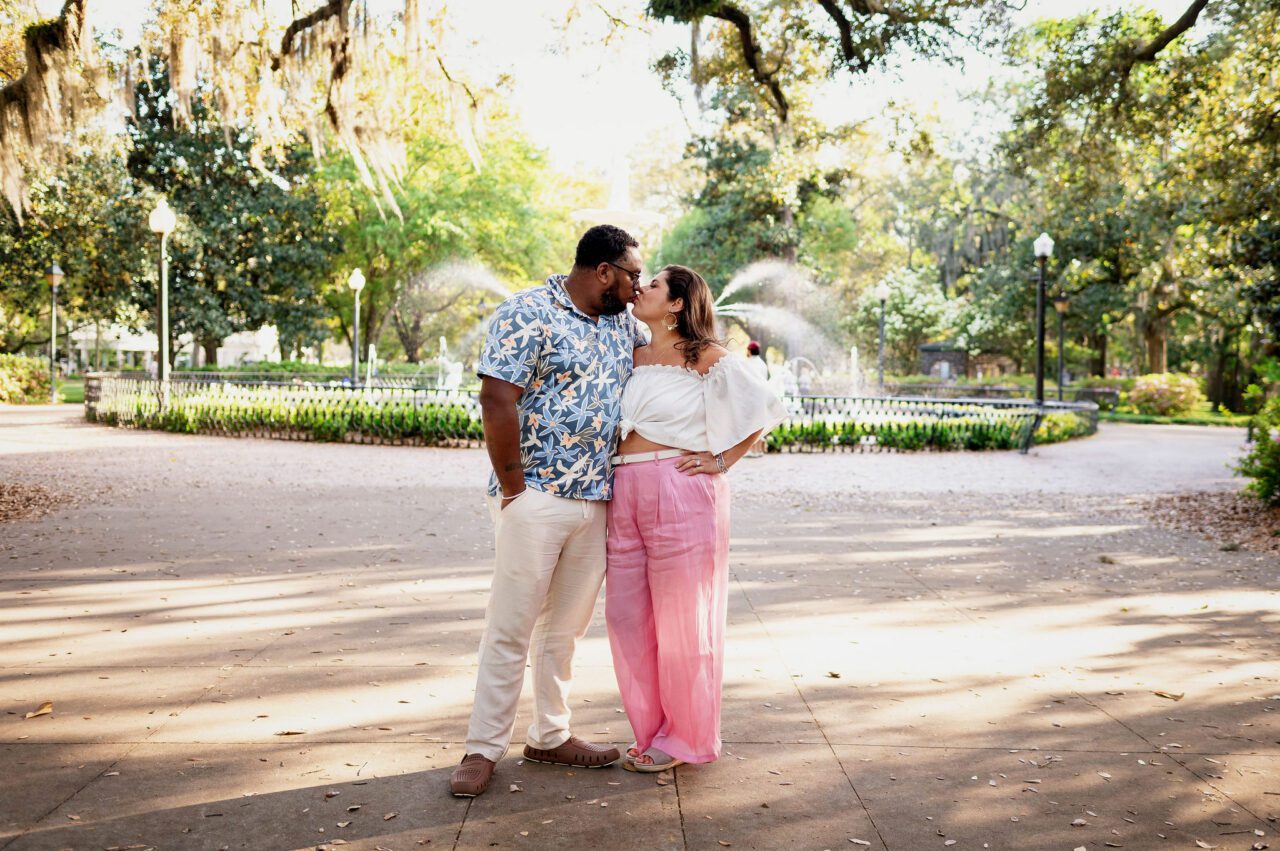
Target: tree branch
329,10
751,55
1147,52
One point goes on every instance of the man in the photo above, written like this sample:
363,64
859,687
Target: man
552,371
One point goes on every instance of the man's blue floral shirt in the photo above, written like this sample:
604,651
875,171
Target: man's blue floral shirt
572,370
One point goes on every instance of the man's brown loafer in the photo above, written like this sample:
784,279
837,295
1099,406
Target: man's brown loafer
574,752
472,776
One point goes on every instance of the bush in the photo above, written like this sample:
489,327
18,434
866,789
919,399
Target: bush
23,380
1165,394
1262,464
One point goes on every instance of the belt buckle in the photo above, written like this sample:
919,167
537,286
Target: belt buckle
656,453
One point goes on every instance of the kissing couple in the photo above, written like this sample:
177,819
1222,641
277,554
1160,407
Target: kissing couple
610,433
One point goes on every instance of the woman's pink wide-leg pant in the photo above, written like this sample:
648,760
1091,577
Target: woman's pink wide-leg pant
666,594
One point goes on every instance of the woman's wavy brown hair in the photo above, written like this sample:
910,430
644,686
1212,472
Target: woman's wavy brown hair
697,322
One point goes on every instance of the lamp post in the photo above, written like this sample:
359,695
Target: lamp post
881,292
162,221
1060,303
54,277
1044,250
356,284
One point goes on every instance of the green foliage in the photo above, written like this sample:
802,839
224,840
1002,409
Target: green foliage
86,214
981,429
251,244
916,312
1165,394
1262,463
506,215
417,416
23,380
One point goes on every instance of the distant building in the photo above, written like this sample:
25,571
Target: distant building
114,347
944,361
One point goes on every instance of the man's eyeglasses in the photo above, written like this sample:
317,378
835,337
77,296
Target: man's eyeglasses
634,276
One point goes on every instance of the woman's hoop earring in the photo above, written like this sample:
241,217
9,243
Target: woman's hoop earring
672,323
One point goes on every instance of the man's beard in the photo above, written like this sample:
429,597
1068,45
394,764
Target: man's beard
611,305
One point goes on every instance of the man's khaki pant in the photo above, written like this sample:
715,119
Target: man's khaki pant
550,565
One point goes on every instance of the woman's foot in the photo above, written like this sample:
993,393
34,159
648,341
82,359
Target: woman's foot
651,761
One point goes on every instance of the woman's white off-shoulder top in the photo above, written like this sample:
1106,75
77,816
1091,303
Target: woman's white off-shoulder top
682,408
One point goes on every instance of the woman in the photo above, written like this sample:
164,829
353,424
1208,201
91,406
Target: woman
689,411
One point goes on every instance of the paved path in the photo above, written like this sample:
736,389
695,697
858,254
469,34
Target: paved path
270,645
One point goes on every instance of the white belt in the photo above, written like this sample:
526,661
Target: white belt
641,457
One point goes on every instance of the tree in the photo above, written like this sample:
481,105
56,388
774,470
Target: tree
332,68
251,246
86,214
505,216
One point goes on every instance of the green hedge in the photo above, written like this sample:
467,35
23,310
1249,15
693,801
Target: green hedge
1262,463
970,433
426,417
23,380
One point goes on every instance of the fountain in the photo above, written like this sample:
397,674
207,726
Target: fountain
792,297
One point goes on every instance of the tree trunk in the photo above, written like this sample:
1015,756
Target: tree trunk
1157,342
410,335
210,351
1098,360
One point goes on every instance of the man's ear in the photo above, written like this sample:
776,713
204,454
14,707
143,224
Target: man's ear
602,272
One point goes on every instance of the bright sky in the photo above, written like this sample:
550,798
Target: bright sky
588,103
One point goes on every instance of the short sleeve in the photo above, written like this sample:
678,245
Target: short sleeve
512,342
739,403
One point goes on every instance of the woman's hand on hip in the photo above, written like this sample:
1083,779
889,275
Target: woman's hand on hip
695,463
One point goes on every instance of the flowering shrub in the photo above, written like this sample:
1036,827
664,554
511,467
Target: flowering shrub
23,380
1262,463
1165,394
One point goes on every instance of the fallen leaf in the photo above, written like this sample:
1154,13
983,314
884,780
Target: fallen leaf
1079,823
1168,696
724,843
859,842
389,816
1200,843
45,709
292,733
835,675
515,788
344,824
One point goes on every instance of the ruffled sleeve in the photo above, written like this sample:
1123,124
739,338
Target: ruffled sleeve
739,403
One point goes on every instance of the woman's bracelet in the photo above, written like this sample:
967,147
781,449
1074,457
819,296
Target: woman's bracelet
720,463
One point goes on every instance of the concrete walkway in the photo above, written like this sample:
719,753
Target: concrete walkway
271,645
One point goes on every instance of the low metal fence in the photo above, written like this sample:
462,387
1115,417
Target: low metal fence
305,410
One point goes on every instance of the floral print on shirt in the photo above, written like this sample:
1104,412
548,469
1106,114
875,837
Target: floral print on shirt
572,370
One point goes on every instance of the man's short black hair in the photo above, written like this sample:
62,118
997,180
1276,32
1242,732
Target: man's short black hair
602,244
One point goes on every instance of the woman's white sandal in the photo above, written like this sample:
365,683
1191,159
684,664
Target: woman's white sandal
660,761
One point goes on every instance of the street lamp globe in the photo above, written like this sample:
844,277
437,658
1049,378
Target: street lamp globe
54,275
1044,246
356,281
1061,302
881,291
162,219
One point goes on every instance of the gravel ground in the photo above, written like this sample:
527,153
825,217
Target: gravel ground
271,645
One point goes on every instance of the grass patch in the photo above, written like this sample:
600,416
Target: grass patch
71,391
1206,418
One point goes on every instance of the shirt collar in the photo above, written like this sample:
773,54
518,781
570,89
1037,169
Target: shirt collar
560,295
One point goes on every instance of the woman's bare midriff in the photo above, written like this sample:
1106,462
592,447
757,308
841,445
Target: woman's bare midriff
635,443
